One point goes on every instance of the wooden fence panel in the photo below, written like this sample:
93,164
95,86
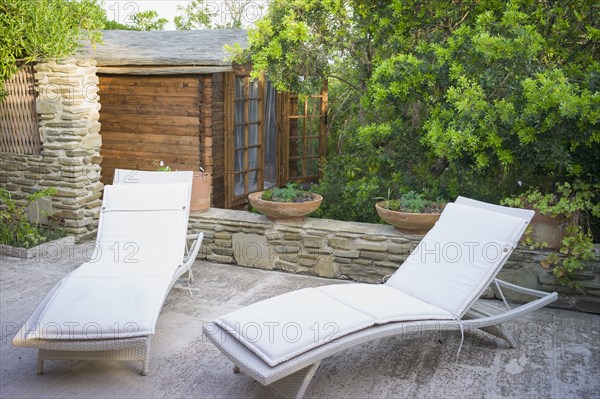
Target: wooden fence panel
19,132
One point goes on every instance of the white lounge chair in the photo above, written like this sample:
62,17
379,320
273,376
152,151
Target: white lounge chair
108,307
281,341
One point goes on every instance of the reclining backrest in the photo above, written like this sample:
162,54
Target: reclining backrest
127,176
143,224
461,254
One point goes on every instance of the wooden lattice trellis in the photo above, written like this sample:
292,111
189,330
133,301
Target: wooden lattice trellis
19,132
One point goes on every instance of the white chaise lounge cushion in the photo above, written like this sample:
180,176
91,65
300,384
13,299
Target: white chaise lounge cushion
134,177
279,328
96,308
141,232
384,303
458,257
120,291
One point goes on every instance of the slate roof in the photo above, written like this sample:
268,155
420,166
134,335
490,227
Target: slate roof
164,48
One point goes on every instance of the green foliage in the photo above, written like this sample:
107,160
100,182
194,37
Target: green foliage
290,193
577,246
141,21
348,196
568,201
574,204
199,14
44,29
196,15
441,97
15,228
148,20
414,203
110,24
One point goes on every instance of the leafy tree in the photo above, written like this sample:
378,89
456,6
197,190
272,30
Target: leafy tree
148,20
509,95
110,24
443,97
196,15
201,15
141,21
43,29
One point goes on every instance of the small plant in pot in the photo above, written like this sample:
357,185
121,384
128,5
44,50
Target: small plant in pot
285,204
561,223
412,213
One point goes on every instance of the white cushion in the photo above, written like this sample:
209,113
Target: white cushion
133,178
143,224
384,303
119,293
457,258
279,328
94,308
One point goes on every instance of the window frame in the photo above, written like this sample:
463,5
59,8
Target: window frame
231,198
285,127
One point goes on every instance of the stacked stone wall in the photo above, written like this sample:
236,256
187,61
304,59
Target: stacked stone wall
361,252
68,108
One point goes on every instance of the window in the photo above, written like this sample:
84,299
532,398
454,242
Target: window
270,138
303,136
246,145
19,132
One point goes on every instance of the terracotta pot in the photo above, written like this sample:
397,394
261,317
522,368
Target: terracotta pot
406,222
201,192
546,228
284,211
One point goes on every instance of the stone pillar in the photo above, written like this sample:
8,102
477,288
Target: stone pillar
68,107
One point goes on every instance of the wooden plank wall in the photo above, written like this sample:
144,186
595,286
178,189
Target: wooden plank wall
148,119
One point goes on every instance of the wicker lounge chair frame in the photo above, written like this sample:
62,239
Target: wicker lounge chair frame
292,377
125,349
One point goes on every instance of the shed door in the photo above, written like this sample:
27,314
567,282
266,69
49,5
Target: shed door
245,141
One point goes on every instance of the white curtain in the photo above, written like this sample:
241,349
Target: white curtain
270,132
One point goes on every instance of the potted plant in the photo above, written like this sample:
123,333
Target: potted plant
201,188
412,213
560,223
285,204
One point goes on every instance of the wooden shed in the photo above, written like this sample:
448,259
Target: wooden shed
172,96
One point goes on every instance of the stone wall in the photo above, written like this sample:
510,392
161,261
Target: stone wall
356,251
68,109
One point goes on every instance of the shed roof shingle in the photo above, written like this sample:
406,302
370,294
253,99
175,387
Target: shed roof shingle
168,48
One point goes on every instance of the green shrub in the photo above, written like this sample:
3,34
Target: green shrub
16,229
575,204
44,29
449,98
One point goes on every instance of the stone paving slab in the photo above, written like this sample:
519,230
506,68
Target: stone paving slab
558,356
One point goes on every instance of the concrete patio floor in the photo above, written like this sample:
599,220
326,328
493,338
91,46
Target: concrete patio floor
558,356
